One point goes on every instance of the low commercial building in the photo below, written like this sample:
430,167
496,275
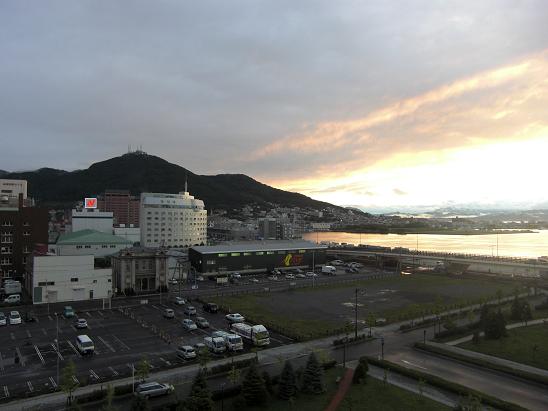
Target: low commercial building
93,242
256,256
92,219
139,270
53,278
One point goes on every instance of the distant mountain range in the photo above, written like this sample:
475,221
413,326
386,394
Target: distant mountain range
140,172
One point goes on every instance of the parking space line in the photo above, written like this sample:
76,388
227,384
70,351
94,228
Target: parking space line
53,383
6,391
94,374
37,320
88,314
12,336
114,372
39,355
21,358
75,379
31,388
58,353
28,334
44,331
107,344
89,327
153,306
73,348
100,313
165,361
1,362
74,328
121,342
51,319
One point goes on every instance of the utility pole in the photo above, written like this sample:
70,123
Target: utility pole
313,269
57,342
356,315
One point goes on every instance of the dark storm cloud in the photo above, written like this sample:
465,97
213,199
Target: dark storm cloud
203,84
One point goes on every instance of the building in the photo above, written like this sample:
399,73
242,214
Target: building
132,234
12,188
52,279
321,226
256,256
268,228
172,220
139,270
123,206
86,242
92,219
22,230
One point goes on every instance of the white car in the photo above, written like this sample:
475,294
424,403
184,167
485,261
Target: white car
3,320
290,276
173,281
81,323
187,352
273,278
189,324
311,274
254,280
236,275
153,389
179,301
300,275
15,318
235,318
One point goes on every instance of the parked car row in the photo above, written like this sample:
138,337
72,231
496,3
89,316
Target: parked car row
14,318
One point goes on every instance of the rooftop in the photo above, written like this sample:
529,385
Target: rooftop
91,237
259,246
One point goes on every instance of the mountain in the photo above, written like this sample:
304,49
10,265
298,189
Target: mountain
140,172
3,173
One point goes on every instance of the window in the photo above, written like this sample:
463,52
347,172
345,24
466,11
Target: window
87,246
94,281
109,280
26,233
78,246
104,246
210,262
222,255
234,254
248,253
112,246
74,280
270,252
259,253
281,252
302,251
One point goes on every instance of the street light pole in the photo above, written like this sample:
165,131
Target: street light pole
356,315
57,342
382,348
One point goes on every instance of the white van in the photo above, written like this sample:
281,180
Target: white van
12,299
84,344
329,269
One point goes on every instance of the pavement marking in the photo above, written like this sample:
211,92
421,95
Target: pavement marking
100,313
21,358
114,372
413,365
44,331
73,348
275,339
37,320
57,352
89,327
31,388
94,374
51,319
39,355
6,391
121,342
74,328
88,314
28,334
53,383
107,344
75,379
165,361
1,362
152,305
12,336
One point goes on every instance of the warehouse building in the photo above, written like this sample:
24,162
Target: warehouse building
250,257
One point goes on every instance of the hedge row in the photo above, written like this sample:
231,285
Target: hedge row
226,367
447,385
483,363
347,340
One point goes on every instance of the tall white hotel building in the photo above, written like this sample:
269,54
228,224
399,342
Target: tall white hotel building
172,220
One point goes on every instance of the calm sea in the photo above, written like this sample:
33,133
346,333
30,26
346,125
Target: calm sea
529,245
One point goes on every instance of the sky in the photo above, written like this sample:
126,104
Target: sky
379,104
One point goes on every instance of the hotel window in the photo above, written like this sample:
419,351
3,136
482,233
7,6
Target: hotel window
78,246
87,246
74,280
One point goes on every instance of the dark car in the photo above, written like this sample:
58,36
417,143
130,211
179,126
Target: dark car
29,317
211,307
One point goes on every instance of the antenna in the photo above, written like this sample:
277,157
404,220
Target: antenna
186,183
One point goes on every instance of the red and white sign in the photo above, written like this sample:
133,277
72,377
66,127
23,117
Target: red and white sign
90,203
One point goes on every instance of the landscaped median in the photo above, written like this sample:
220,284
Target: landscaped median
482,360
447,385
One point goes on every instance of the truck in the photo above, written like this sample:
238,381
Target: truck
215,344
256,334
329,269
233,341
12,287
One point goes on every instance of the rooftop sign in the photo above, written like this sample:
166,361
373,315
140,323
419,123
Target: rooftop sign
90,202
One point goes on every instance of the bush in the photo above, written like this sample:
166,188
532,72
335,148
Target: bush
341,341
218,369
226,393
123,389
288,382
93,396
360,374
312,380
253,387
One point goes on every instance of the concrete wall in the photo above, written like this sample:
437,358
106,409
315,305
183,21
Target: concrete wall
69,278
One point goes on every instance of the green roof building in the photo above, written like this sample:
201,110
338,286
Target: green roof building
90,242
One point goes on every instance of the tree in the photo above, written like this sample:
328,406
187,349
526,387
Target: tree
370,322
526,314
143,369
288,382
484,314
471,403
199,398
68,382
495,326
268,382
312,380
110,395
360,373
499,295
476,338
204,357
139,404
253,388
234,375
516,308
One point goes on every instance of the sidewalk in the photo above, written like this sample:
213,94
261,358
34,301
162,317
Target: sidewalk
490,358
508,327
344,385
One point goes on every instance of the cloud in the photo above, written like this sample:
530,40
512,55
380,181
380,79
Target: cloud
399,192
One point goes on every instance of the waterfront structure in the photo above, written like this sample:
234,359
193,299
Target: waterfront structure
139,270
86,242
248,257
172,220
123,206
52,279
92,219
22,230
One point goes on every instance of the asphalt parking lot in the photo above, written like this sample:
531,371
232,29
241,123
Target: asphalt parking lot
122,337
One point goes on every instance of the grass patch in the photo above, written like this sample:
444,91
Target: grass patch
526,345
381,397
303,402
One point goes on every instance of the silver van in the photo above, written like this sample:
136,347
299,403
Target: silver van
84,344
12,299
